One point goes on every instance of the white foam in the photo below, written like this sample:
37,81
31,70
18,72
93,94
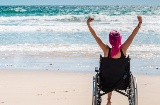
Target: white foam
48,47
77,23
146,51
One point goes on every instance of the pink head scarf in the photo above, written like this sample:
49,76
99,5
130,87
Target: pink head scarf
115,40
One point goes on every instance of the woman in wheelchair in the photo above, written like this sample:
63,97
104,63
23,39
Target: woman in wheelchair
118,50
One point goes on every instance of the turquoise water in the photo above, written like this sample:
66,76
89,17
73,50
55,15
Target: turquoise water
51,10
33,37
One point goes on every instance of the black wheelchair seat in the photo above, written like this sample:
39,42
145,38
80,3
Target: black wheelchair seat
114,73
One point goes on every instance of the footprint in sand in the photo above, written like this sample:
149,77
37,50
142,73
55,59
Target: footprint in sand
65,91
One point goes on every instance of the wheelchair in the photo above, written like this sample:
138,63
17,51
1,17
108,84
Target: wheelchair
114,75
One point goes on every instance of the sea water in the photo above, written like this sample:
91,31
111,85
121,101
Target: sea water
53,37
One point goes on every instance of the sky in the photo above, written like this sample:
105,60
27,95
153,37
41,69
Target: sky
79,2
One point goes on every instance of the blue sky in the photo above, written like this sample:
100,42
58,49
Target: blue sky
79,2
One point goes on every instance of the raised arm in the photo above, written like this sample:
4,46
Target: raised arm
96,37
128,42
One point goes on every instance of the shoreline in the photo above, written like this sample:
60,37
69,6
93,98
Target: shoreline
70,62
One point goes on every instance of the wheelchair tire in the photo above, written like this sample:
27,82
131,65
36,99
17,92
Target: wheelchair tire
96,99
93,91
133,95
136,91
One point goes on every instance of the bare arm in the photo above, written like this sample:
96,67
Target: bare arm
96,37
128,42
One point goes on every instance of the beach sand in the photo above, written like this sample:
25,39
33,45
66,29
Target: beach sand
22,87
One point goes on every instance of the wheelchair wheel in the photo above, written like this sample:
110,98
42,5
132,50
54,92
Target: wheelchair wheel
133,95
93,91
96,99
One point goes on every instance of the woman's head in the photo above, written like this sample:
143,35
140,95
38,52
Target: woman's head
115,41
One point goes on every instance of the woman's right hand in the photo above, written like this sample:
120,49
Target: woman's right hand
90,20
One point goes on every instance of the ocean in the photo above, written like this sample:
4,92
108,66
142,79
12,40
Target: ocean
56,37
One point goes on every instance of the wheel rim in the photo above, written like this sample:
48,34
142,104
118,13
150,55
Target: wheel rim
93,92
133,91
96,99
136,91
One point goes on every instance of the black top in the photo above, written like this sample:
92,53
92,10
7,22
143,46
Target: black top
122,54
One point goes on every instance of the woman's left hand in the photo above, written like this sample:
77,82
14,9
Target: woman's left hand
139,19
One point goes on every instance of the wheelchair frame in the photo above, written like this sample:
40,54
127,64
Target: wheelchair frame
131,92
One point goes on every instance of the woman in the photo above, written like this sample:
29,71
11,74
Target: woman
115,41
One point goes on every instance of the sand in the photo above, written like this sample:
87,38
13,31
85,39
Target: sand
21,87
